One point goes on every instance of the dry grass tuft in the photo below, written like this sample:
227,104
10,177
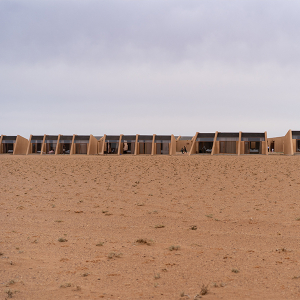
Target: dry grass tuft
144,242
9,293
66,285
204,290
174,248
114,255
62,240
160,226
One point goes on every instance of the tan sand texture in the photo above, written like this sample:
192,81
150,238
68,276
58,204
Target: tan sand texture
125,227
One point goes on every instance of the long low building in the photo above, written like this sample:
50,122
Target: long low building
202,143
237,143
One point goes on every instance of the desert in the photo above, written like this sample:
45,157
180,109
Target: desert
149,227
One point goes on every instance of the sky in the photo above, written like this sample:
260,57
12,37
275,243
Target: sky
151,66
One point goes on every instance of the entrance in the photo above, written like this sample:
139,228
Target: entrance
272,148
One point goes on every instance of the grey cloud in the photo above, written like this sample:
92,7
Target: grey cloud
149,31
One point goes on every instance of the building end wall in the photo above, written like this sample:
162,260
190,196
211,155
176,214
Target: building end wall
192,150
20,146
28,147
173,145
73,145
288,143
153,151
92,148
216,148
1,137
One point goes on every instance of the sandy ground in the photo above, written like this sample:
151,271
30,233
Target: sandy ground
79,227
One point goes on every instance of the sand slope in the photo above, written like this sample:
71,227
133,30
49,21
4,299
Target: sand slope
244,211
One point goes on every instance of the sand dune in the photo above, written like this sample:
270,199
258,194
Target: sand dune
74,227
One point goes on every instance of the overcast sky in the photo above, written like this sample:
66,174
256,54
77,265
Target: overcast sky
164,67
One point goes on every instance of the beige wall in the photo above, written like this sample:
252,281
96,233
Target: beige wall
193,145
43,151
100,145
119,147
279,143
216,146
93,145
21,145
1,143
153,152
136,149
29,146
294,145
181,143
57,145
288,144
265,145
73,146
173,145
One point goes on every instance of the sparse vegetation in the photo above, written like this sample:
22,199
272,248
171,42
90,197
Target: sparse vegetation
281,250
62,240
9,293
66,285
209,216
100,244
204,290
11,282
157,276
174,248
193,227
160,226
144,242
114,255
235,271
